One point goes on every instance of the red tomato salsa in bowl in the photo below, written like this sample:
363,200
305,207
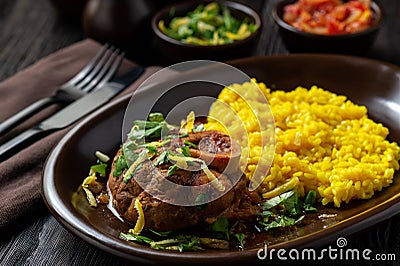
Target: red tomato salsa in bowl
329,17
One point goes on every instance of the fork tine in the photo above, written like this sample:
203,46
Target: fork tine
103,74
89,67
111,72
89,77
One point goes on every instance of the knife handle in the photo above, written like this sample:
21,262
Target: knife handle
25,113
20,141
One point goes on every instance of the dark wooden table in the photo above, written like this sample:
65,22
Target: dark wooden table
31,30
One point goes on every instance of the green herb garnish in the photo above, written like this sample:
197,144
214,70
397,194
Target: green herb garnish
199,128
120,166
266,205
221,228
285,210
131,174
240,238
201,197
151,148
179,242
186,151
156,117
136,165
161,159
99,168
190,144
136,238
310,200
172,169
276,221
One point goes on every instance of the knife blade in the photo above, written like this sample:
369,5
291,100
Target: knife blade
70,114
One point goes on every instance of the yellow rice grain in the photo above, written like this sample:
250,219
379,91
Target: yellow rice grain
324,142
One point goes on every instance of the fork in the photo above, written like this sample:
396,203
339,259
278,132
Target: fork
94,75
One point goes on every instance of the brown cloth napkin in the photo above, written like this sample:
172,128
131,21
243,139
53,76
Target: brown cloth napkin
20,175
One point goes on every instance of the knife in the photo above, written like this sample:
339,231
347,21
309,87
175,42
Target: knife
71,113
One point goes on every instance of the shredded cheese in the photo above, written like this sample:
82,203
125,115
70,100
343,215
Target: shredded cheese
188,125
140,222
182,162
213,179
89,195
142,157
165,242
292,183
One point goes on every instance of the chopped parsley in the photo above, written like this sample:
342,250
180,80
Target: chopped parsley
186,151
219,235
201,197
199,128
284,210
161,159
220,228
99,168
171,170
119,166
136,165
156,117
162,240
190,144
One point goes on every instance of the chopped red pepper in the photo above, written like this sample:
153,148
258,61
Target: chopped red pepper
329,16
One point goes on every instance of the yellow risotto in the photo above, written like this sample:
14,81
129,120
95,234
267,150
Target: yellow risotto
324,142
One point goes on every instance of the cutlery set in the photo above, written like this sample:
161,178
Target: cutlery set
88,90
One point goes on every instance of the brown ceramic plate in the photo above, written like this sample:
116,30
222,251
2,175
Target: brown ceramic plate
366,82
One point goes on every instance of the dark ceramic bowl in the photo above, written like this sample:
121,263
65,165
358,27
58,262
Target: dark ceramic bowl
174,51
298,41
